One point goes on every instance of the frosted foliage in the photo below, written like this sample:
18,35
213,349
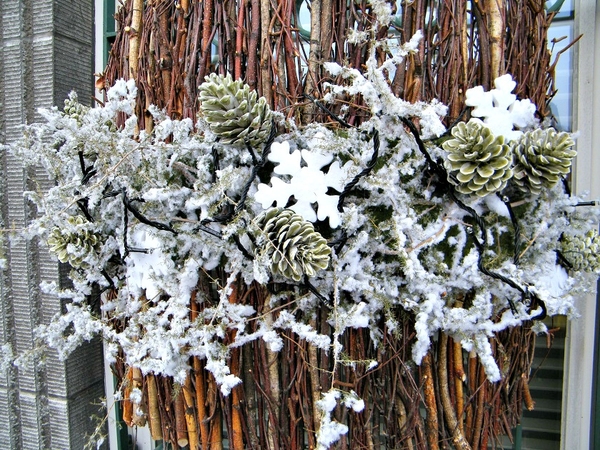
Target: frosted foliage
155,217
374,87
499,108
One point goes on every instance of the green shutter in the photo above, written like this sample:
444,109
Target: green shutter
109,32
540,428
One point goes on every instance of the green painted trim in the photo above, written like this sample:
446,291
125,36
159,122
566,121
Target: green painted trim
518,435
109,14
122,435
108,30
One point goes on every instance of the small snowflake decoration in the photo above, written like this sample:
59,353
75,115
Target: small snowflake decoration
500,109
308,184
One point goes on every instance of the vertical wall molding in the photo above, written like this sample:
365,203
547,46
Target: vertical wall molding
10,422
579,346
46,51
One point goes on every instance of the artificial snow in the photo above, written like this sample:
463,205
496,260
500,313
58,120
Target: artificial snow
500,109
308,184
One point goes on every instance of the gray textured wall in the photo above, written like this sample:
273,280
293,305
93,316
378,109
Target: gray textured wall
46,51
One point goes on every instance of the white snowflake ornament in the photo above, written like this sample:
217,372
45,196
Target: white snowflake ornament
308,184
500,109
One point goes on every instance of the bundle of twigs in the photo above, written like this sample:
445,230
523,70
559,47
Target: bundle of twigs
447,399
168,48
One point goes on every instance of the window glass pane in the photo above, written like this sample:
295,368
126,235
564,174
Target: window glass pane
561,33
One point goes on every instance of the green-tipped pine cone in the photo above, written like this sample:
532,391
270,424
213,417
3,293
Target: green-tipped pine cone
83,242
582,251
542,157
73,108
295,247
234,112
478,162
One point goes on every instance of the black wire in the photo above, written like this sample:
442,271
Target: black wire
563,259
241,248
456,121
111,285
225,218
437,168
338,119
366,171
125,226
338,243
215,233
87,172
215,155
88,175
442,175
308,285
139,216
252,153
82,203
516,229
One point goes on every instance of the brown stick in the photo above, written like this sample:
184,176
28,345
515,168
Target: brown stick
252,66
403,424
239,40
237,438
459,379
127,403
527,398
135,31
314,56
450,415
274,383
472,384
139,415
199,385
166,58
326,29
190,417
431,419
180,425
216,432
207,25
478,414
313,370
485,430
265,50
153,409
494,13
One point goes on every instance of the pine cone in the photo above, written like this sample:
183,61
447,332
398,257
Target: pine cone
295,247
83,240
234,112
541,158
582,251
74,109
478,162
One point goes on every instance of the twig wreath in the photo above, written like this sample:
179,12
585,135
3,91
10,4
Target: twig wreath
470,229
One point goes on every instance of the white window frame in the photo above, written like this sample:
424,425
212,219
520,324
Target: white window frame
578,389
